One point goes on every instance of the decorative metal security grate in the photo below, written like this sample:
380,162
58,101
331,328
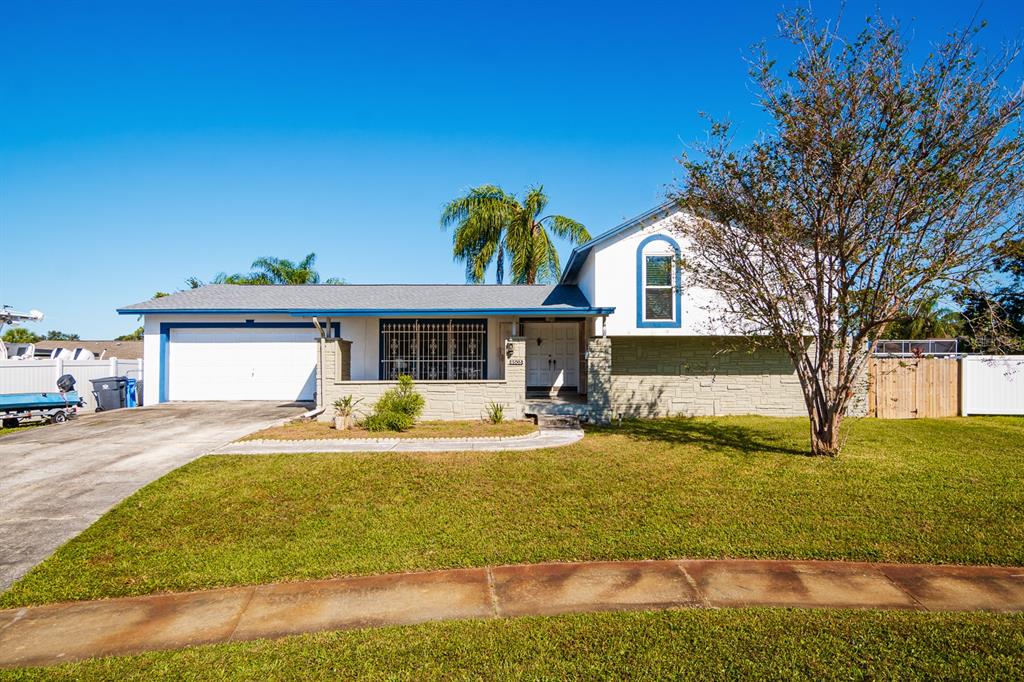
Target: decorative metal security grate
433,350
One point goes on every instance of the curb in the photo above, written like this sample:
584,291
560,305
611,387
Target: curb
58,633
384,441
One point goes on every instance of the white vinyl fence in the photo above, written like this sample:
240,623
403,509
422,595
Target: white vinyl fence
32,376
992,384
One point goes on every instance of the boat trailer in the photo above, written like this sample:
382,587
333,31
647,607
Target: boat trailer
53,407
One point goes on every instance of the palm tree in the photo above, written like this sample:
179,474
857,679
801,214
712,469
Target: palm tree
926,320
269,270
491,224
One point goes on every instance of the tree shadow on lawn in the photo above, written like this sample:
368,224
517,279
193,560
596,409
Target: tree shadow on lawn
706,433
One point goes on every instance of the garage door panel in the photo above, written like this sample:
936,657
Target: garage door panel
242,365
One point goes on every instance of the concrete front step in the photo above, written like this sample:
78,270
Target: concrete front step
549,422
57,633
554,407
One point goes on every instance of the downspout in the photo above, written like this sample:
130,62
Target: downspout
319,363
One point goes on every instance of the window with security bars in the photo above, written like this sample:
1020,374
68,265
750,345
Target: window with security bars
433,350
658,288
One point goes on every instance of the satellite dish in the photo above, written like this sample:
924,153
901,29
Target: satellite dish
36,315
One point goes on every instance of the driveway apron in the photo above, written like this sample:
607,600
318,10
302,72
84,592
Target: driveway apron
56,480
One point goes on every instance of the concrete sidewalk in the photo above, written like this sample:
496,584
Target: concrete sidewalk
58,633
548,438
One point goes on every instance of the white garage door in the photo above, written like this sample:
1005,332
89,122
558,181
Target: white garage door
247,364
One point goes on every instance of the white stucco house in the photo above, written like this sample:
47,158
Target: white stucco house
620,335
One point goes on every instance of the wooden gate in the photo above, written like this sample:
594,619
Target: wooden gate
905,388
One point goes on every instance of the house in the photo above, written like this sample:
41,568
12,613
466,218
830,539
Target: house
620,335
122,350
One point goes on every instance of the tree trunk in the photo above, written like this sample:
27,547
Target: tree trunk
531,268
825,432
824,415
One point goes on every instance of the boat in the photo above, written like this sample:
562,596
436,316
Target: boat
37,401
13,317
52,406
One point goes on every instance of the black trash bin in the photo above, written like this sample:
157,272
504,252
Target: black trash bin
110,393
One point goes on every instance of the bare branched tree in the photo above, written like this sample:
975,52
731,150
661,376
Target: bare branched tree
880,185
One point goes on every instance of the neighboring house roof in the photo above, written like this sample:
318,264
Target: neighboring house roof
341,300
580,253
123,350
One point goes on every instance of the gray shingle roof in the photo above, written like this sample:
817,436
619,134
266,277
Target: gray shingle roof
369,298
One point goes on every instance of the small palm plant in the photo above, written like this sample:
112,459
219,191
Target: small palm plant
343,409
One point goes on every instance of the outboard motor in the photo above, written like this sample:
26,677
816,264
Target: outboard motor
66,383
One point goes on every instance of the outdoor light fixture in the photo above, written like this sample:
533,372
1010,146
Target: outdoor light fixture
509,349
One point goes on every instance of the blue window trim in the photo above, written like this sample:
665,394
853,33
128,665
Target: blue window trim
165,338
677,315
380,340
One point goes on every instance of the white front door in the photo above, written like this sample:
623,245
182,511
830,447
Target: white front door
552,355
244,364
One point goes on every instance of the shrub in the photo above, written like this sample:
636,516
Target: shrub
495,413
397,409
403,399
387,421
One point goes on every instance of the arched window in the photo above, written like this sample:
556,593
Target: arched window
658,283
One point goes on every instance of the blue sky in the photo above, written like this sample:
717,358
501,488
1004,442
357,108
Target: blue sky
141,144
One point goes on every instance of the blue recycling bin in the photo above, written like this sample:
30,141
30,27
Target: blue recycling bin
131,399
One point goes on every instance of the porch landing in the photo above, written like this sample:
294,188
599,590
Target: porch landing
559,412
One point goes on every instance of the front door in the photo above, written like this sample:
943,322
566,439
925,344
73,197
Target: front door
552,356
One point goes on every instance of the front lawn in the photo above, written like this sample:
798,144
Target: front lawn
314,430
721,644
18,428
947,490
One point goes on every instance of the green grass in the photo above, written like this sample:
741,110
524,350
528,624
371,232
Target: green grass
19,428
905,491
712,645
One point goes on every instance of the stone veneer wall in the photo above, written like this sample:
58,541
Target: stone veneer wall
658,376
444,399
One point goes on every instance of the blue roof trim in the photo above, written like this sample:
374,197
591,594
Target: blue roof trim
374,312
561,310
580,253
207,311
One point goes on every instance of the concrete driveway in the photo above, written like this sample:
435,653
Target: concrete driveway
56,480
